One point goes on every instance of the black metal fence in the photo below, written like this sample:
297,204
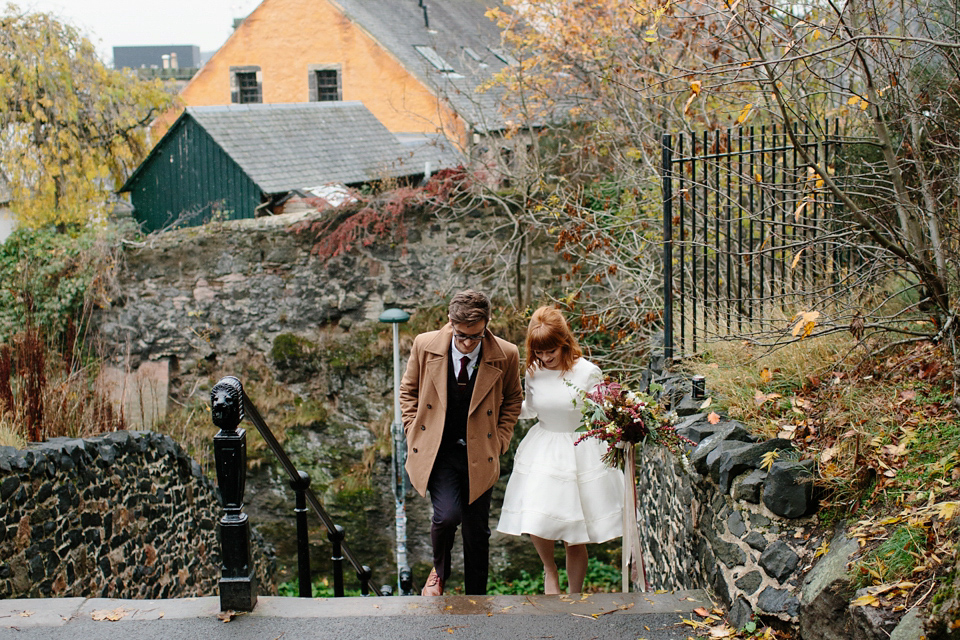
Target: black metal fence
751,233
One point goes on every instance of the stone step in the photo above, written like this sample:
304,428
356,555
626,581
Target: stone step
650,616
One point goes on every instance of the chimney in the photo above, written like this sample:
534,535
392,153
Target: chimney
426,18
173,60
166,61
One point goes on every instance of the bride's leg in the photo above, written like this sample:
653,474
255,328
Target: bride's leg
576,566
551,581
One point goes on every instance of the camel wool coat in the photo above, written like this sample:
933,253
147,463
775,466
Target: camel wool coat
494,407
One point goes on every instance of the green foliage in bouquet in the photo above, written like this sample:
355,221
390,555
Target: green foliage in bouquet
621,418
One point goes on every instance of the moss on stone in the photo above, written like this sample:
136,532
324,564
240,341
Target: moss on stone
290,351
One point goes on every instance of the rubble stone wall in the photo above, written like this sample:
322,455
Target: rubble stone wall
123,515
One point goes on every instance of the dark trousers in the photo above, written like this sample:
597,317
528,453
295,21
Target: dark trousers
449,491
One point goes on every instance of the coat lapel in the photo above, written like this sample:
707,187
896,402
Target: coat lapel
487,373
438,362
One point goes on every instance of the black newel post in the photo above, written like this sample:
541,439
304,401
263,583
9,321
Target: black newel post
406,582
364,577
238,583
303,541
336,537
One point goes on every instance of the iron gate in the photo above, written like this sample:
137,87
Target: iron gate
749,231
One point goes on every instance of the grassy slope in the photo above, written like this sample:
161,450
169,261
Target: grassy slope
886,440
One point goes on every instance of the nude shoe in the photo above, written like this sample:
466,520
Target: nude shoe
434,586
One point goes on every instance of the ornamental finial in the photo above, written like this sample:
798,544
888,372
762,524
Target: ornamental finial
226,403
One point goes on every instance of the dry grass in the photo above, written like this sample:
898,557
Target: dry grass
885,438
10,436
755,385
48,394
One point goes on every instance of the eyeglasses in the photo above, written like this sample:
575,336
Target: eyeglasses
464,337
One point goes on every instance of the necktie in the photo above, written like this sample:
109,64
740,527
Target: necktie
463,377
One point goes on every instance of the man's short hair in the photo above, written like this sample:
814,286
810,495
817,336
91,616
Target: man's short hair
469,307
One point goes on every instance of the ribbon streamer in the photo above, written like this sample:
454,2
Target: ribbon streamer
632,567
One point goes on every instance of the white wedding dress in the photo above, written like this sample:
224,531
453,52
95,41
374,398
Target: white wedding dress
559,491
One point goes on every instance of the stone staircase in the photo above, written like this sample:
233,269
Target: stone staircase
634,616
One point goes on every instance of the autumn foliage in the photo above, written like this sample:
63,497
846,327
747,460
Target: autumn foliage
71,130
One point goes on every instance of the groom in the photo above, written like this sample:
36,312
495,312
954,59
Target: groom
460,398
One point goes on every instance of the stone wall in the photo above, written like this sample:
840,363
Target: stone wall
205,293
720,518
123,515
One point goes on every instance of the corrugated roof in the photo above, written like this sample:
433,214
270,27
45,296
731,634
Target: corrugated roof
289,146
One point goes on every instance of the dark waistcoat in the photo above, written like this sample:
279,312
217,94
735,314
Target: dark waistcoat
458,408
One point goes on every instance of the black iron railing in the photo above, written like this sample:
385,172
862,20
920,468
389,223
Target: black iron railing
749,227
238,585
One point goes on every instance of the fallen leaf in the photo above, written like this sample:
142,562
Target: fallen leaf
765,375
700,611
895,450
866,600
226,616
760,398
713,418
113,616
768,459
26,614
706,403
947,510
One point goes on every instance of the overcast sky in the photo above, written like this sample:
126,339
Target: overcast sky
110,23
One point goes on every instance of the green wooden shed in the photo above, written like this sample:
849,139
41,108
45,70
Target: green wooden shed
234,161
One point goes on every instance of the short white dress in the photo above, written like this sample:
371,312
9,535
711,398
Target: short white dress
559,491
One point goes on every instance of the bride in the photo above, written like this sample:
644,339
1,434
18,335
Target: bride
559,491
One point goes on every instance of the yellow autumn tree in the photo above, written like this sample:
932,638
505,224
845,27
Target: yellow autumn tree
71,130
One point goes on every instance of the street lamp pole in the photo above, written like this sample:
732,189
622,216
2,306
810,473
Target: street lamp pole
404,577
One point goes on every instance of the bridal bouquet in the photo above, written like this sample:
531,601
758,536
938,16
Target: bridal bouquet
622,418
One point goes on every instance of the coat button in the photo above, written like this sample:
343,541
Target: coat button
490,435
414,449
488,459
423,428
429,406
489,412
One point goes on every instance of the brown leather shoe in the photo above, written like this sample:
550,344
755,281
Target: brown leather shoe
434,586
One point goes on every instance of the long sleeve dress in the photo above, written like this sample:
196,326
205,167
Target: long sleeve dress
559,491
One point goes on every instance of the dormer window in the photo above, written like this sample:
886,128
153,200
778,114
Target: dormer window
505,57
433,58
473,54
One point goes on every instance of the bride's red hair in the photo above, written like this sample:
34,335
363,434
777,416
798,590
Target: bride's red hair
548,330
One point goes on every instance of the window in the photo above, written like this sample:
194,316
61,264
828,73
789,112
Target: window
246,85
433,57
473,55
505,57
324,81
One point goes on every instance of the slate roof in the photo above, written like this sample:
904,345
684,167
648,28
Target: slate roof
454,27
283,147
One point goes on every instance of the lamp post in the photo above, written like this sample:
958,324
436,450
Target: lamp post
396,317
